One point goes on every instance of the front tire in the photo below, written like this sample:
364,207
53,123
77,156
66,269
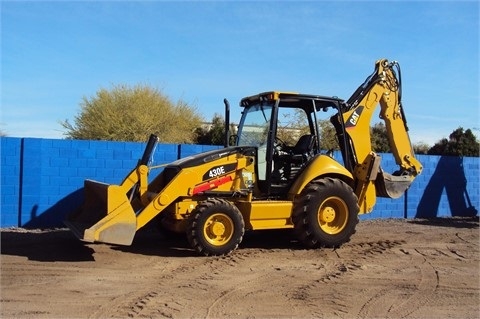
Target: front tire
215,227
325,214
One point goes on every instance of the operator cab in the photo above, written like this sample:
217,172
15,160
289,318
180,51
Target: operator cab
285,131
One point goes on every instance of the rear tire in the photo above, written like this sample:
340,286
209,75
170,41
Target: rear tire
215,227
325,214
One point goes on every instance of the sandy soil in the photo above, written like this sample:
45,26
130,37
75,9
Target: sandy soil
390,269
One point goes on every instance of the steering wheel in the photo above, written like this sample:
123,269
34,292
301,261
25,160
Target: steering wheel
279,146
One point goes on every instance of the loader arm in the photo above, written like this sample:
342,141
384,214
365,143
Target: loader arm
382,87
107,214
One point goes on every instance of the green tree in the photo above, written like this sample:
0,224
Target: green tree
381,144
379,138
421,148
214,134
459,143
328,137
378,134
291,124
126,113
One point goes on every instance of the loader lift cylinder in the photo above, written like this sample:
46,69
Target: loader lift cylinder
147,154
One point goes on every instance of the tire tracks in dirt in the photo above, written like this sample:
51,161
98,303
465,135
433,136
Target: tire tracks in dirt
255,279
219,287
202,282
387,303
353,261
425,269
149,293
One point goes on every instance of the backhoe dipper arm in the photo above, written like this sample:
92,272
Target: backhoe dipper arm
382,87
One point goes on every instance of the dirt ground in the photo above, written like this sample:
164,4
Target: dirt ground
390,269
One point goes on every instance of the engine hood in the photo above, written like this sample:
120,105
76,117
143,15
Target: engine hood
202,158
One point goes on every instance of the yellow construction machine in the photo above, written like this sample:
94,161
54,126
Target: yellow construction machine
275,175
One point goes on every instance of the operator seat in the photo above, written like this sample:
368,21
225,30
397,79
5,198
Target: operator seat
296,156
301,152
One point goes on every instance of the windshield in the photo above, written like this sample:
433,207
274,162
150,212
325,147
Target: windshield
254,125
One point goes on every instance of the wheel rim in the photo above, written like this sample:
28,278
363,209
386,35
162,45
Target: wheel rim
333,215
218,229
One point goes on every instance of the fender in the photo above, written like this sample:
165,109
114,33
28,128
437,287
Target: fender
318,166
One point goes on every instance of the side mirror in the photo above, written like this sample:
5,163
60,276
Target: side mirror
232,140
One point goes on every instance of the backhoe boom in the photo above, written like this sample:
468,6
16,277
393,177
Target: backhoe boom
382,87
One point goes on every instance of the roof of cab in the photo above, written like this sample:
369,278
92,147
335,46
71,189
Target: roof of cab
292,96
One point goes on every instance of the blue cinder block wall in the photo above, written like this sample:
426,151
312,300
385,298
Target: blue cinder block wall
42,179
448,186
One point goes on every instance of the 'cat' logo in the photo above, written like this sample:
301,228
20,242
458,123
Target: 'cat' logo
353,118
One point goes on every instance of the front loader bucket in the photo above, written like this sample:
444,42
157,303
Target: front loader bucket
106,215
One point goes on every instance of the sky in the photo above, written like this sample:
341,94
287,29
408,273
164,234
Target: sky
54,54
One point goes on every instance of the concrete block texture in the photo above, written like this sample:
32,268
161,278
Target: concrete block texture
41,180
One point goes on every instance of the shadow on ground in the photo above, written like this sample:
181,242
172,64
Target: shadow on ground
157,243
60,245
44,245
457,222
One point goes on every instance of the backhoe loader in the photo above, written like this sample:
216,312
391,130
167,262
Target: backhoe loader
271,174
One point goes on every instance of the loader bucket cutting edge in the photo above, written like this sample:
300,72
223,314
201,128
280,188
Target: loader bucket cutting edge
106,215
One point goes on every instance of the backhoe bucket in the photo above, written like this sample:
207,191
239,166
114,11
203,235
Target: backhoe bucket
106,215
392,186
